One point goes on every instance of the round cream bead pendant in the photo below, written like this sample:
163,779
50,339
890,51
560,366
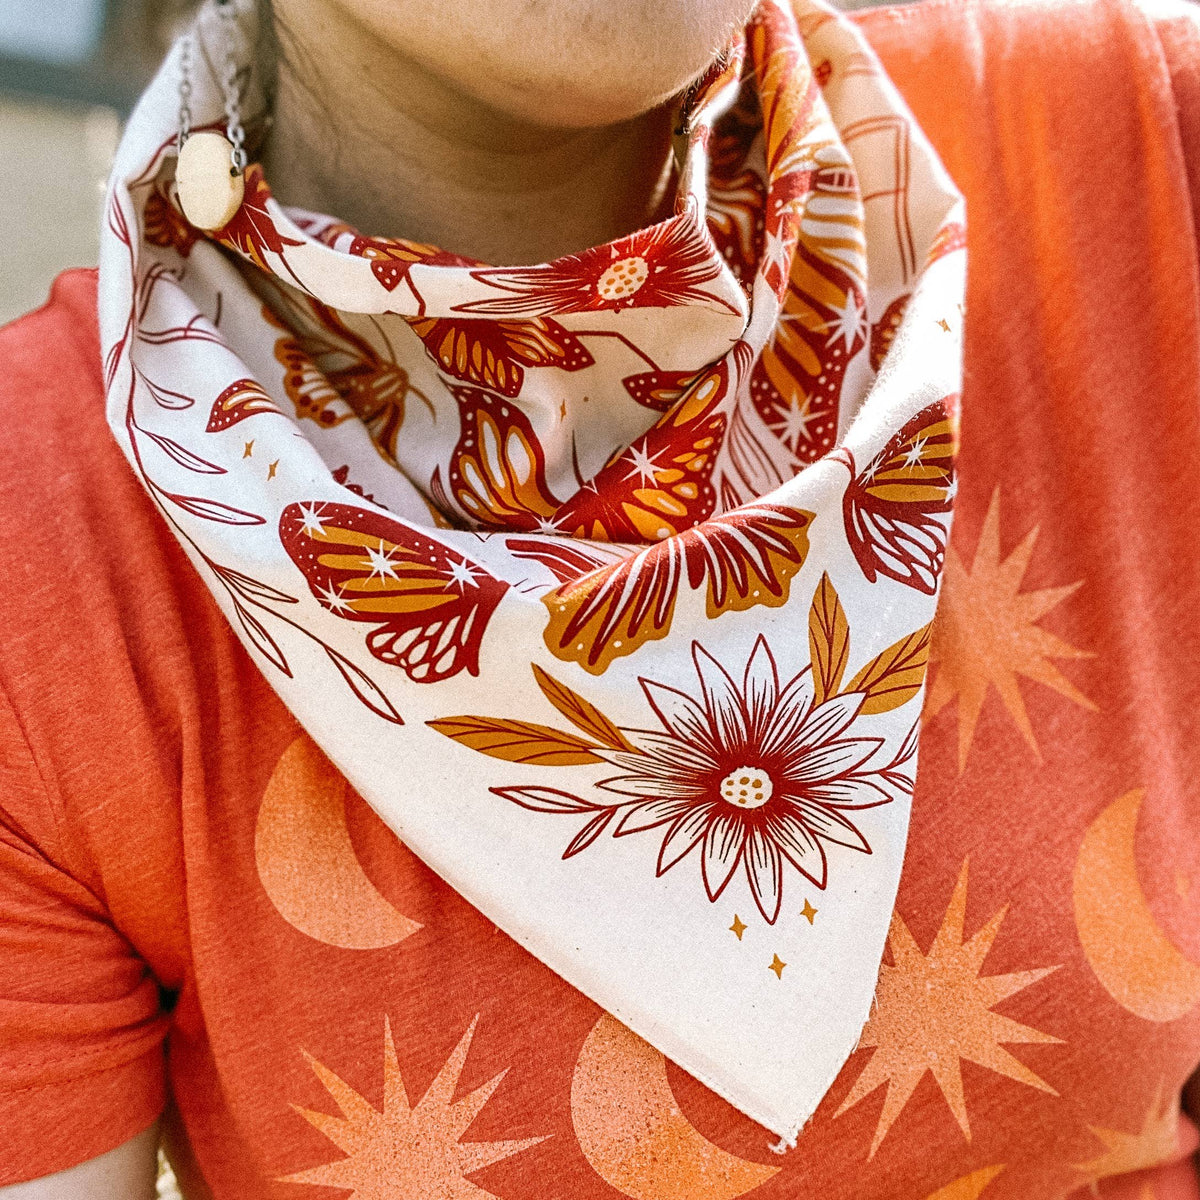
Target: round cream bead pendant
210,190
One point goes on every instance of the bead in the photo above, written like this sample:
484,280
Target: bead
210,191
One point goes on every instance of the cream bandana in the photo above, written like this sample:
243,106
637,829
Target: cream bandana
607,582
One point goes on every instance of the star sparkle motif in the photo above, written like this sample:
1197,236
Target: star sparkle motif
642,464
406,1149
738,927
944,325
796,418
462,574
808,912
311,521
272,468
248,449
986,635
777,965
934,1010
380,562
847,323
334,600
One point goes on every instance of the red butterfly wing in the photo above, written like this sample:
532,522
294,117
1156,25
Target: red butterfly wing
495,354
429,604
893,509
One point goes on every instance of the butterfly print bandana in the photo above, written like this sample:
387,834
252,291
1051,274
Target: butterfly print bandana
606,581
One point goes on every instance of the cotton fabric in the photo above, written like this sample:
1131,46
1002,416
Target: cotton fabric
607,581
142,744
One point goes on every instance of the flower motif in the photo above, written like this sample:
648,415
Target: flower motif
755,773
664,265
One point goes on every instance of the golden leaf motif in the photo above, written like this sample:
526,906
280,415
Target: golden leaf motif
518,741
894,676
583,714
828,640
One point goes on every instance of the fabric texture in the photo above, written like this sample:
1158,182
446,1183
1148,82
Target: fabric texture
607,581
165,819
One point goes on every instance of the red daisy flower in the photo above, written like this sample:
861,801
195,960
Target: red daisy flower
658,267
751,772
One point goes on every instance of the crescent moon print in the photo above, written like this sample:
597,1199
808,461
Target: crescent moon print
631,1130
307,864
1130,955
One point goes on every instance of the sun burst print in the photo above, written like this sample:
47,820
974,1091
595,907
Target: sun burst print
934,1010
1156,1142
406,1150
986,635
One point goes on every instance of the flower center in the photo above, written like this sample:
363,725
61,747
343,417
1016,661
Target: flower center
747,787
623,278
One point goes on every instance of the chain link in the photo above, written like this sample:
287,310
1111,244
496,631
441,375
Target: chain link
185,90
230,87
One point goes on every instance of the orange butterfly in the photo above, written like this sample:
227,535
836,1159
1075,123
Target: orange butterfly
893,508
429,605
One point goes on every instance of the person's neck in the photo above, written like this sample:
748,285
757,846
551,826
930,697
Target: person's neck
363,134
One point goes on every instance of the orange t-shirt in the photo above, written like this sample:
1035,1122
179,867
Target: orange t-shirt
193,905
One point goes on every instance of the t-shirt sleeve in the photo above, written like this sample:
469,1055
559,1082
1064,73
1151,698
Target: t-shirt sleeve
81,1026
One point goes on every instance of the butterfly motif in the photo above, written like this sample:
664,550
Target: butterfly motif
893,507
495,354
498,467
429,605
601,612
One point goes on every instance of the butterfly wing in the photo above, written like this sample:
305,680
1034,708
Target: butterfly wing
894,508
428,604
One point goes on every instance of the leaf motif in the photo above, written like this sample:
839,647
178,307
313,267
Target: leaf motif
583,714
263,642
165,398
894,676
518,741
589,833
184,457
241,399
365,688
214,510
547,800
250,589
828,640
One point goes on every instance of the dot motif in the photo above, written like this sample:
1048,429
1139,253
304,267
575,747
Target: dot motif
622,279
747,787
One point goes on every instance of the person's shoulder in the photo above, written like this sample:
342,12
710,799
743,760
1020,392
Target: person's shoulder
1075,28
60,338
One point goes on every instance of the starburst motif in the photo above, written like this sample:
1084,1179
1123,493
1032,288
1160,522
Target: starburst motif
380,562
934,1010
333,599
846,322
311,521
1155,1143
795,418
406,1150
986,635
642,464
462,573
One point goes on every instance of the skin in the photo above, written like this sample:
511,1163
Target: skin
513,131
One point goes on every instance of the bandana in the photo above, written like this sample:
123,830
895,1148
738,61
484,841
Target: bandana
607,581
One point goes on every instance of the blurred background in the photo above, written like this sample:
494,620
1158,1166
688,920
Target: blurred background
70,70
